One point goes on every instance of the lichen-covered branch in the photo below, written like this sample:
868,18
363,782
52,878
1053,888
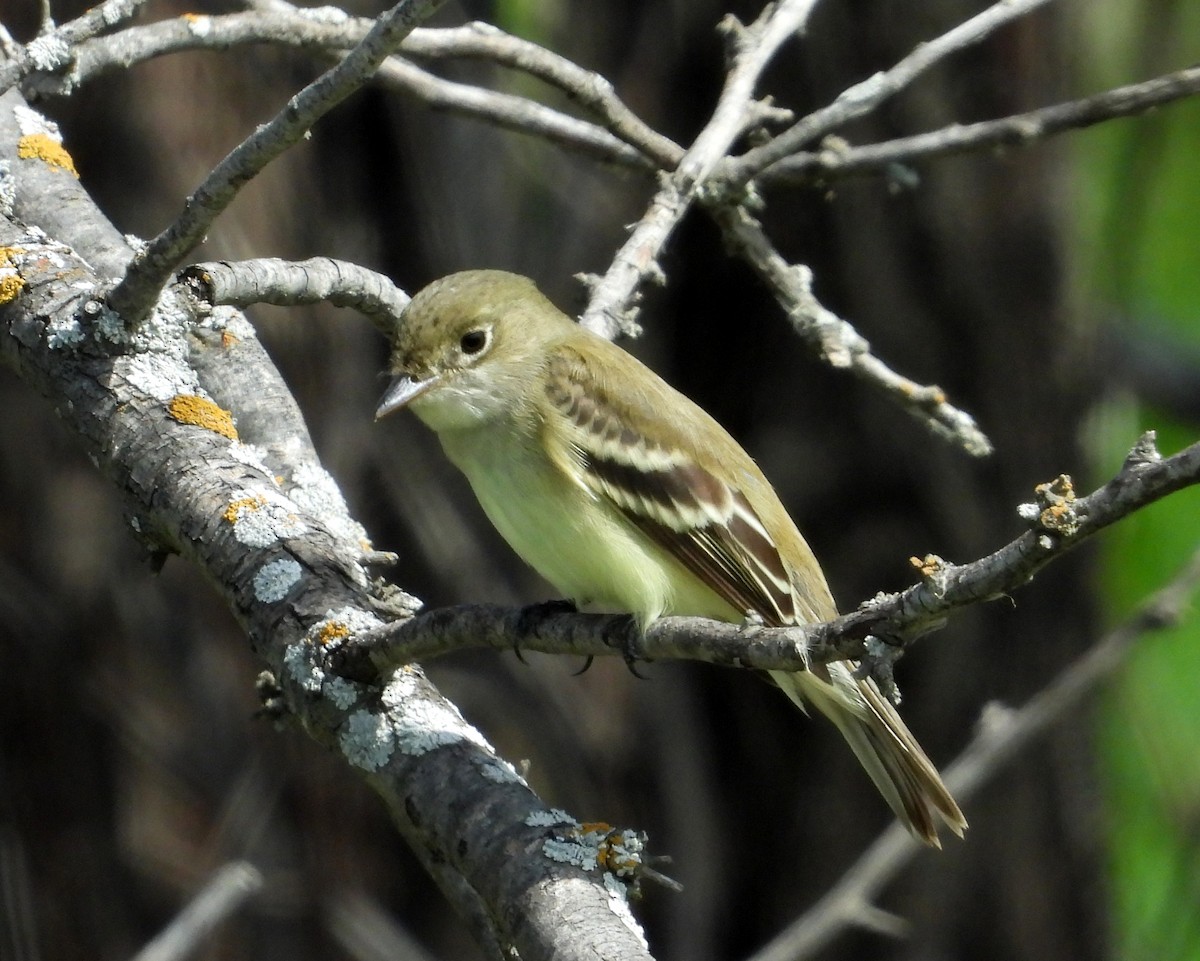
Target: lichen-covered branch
192,425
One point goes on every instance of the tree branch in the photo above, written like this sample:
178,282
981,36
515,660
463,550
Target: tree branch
292,27
192,425
227,890
285,283
134,296
611,306
1019,130
1003,734
51,50
869,94
834,339
877,632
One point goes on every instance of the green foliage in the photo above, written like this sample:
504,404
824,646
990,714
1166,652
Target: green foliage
1137,200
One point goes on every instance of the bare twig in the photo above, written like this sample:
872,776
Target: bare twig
1059,521
287,26
865,96
1002,735
1018,130
135,294
519,114
610,310
51,49
586,87
835,339
225,892
286,283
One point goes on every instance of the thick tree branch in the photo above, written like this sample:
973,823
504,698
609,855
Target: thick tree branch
876,633
190,422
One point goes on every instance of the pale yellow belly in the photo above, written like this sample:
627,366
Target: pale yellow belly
581,544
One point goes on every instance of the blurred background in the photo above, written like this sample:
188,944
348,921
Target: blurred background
1051,291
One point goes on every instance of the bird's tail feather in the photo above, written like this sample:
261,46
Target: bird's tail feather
884,746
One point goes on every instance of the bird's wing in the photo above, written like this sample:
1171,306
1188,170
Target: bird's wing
706,523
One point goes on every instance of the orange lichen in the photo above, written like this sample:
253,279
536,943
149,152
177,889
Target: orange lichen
244,503
1057,499
332,631
11,284
202,412
928,565
43,147
228,340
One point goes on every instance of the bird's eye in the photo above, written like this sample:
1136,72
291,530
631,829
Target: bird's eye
473,341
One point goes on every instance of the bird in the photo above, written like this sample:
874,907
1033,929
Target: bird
628,497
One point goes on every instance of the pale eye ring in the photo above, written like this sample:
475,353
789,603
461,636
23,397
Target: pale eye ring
473,341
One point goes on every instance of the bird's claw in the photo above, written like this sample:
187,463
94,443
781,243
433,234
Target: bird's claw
532,616
623,632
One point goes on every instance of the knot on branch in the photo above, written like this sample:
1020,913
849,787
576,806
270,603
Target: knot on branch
595,845
1055,507
933,571
1143,453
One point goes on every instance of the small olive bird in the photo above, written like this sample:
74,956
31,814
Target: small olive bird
626,496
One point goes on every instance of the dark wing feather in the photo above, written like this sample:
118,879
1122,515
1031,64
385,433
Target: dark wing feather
704,522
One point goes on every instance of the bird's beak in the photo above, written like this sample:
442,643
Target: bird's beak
402,390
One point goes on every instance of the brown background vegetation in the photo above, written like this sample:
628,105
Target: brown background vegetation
131,763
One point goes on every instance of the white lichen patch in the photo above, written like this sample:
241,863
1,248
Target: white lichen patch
356,622
198,25
368,740
341,692
158,375
8,189
164,330
618,903
106,323
275,578
551,818
48,52
30,122
422,721
64,330
263,516
575,853
251,456
317,493
302,667
499,771
303,660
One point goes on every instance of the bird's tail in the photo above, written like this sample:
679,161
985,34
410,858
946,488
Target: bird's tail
883,744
